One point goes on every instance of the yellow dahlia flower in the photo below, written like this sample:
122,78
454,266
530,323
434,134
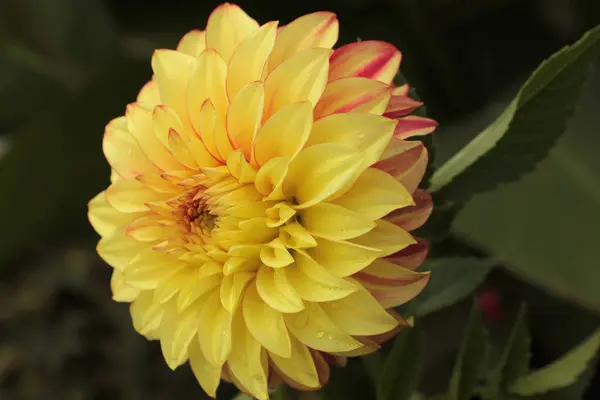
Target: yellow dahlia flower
261,196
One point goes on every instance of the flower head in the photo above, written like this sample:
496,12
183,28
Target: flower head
261,198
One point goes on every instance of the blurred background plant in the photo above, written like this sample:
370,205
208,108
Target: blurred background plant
517,227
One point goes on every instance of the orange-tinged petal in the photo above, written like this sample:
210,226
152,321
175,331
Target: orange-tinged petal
227,27
413,217
318,29
265,324
320,171
386,237
193,43
207,374
313,282
275,290
369,59
298,366
284,134
343,258
400,104
104,218
315,329
368,133
353,94
207,81
302,77
375,194
214,330
249,60
245,115
406,161
245,361
123,151
360,314
334,222
172,70
387,273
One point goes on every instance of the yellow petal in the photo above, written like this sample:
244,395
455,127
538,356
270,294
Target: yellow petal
275,254
227,27
302,77
146,314
207,81
392,293
245,115
386,237
104,218
149,268
275,290
375,194
123,152
195,287
334,222
320,171
370,59
284,134
214,330
119,249
269,178
299,365
316,330
207,374
177,330
360,314
313,282
149,94
357,95
265,324
151,228
250,58
121,290
180,150
240,168
172,70
279,214
129,196
343,258
139,123
193,43
368,133
318,29
232,288
295,236
245,361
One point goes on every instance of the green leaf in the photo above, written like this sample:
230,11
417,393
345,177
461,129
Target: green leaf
527,129
452,280
514,362
562,373
543,227
400,373
471,358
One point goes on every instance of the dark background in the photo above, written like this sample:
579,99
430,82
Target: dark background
68,66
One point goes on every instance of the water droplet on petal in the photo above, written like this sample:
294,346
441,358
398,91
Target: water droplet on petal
320,334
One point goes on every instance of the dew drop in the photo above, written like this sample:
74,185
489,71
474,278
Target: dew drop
320,334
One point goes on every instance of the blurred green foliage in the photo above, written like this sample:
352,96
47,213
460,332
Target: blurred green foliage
520,198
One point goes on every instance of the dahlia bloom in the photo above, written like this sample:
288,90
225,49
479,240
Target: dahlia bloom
262,194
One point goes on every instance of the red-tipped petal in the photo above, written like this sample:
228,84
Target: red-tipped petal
401,105
413,125
353,94
413,217
405,161
369,59
412,256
